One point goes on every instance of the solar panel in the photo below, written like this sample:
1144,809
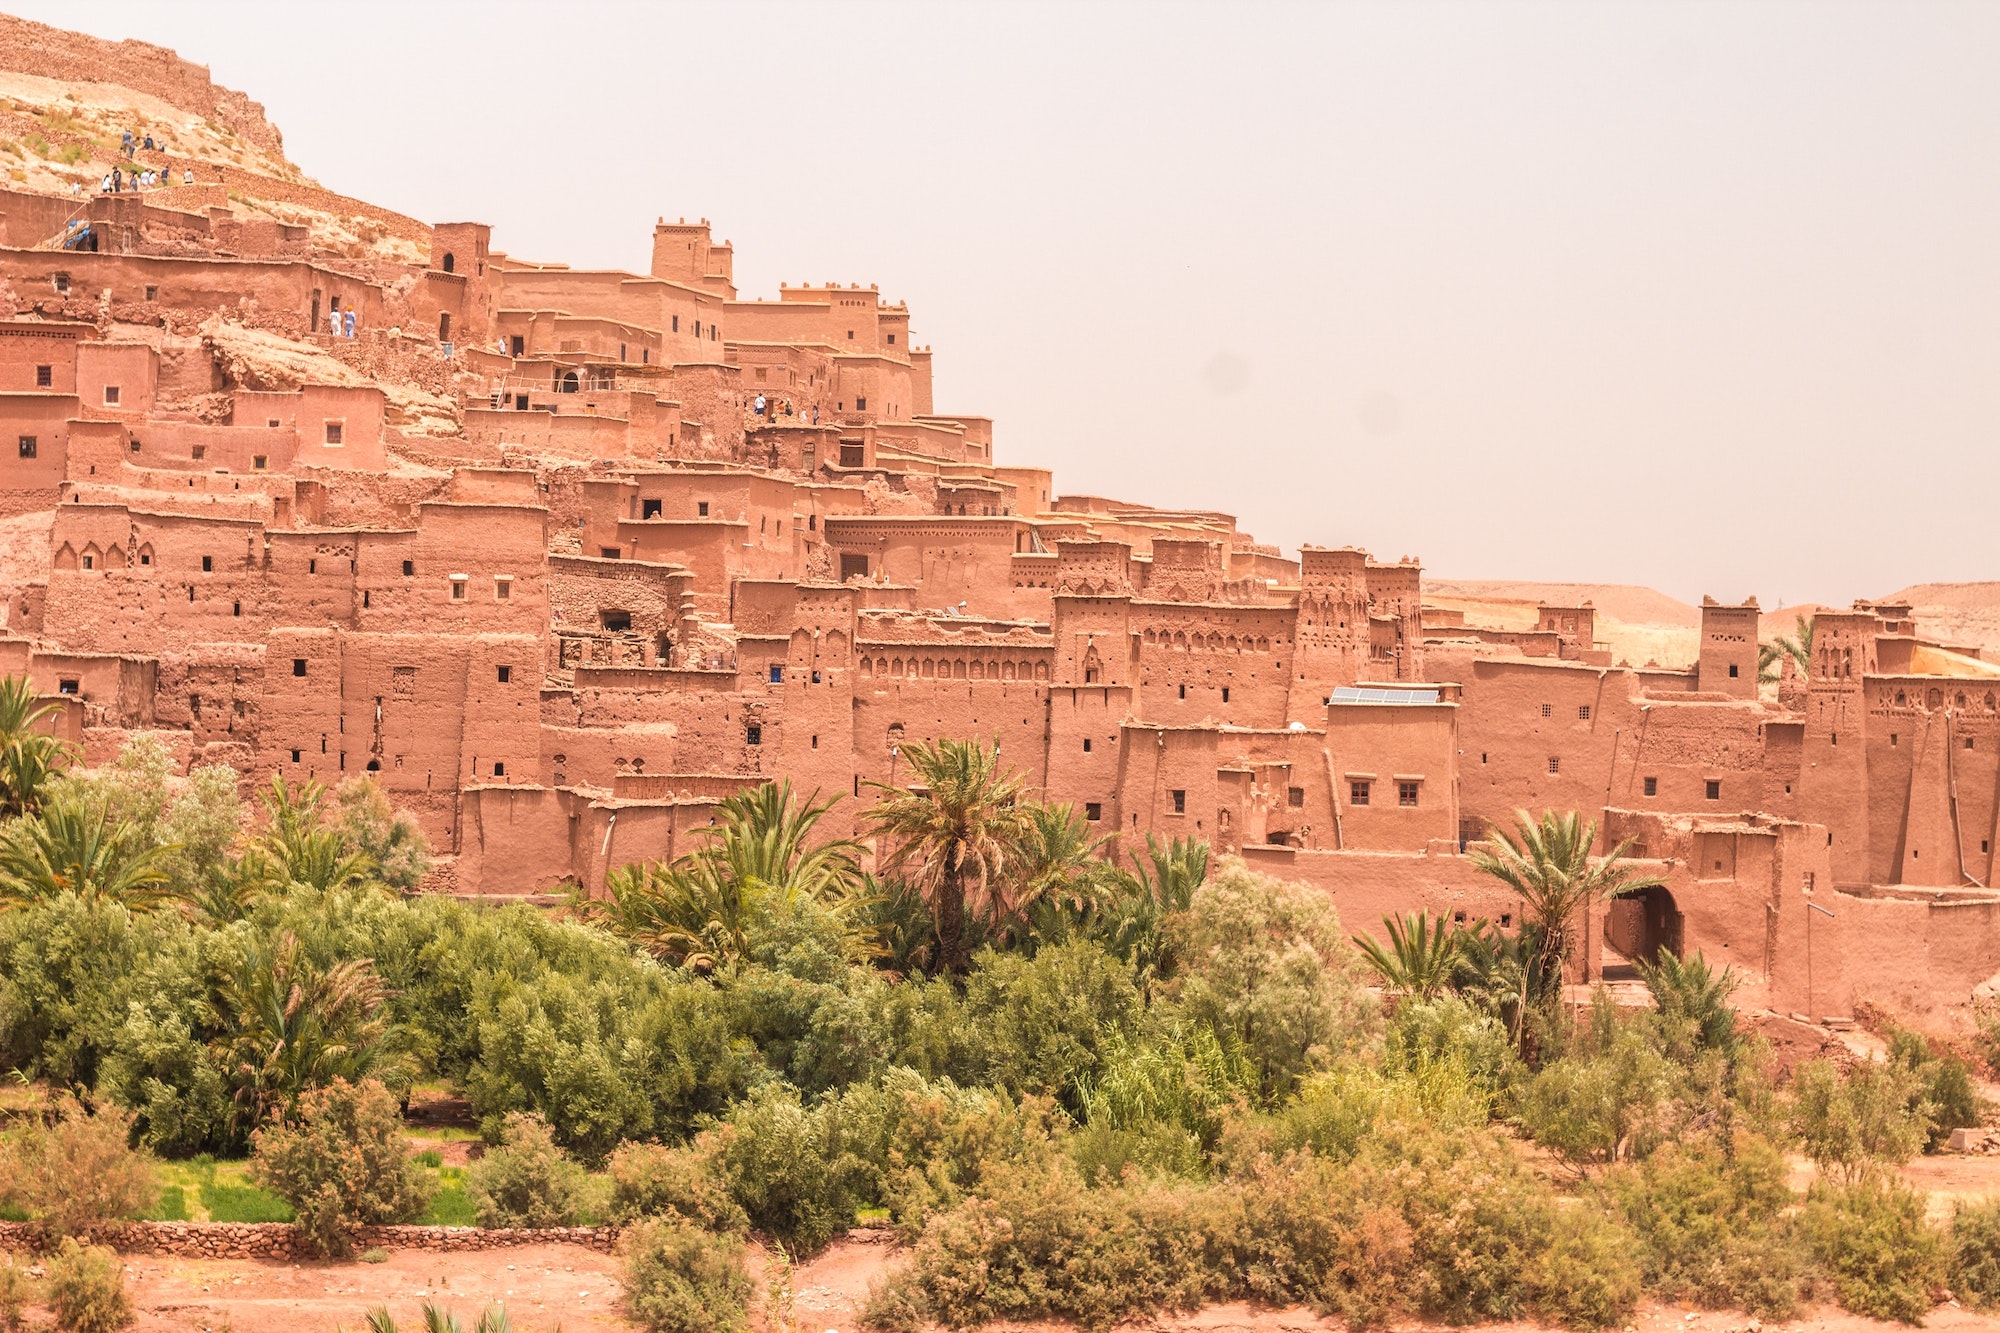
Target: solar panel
1352,694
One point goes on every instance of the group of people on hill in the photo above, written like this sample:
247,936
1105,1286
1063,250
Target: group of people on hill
119,180
340,323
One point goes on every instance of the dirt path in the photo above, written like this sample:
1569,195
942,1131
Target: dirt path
541,1285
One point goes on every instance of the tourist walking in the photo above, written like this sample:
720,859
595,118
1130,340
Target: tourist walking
350,321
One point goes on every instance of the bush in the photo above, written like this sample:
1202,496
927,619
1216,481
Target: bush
17,1292
1875,1114
651,1180
1606,1101
1710,1224
1869,1237
680,1279
1047,1021
1587,1277
526,1181
1975,1254
78,1170
86,1289
1944,1087
794,1170
1268,968
341,1163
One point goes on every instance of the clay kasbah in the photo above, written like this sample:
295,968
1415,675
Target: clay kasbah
563,557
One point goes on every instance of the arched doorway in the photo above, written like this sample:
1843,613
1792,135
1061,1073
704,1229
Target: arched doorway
1641,926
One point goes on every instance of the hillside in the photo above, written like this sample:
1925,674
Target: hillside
66,101
1958,613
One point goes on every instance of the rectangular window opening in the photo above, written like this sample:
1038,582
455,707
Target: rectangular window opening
1357,793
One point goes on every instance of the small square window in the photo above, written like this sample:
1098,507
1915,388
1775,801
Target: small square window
198,452
753,735
152,293
520,402
67,686
506,674
1180,800
1093,811
27,446
499,770
701,508
271,423
334,432
649,509
1406,793
1968,742
207,564
777,674
258,461
1652,786
503,590
1732,671
1583,712
295,756
45,377
1714,790
90,562
458,590
136,446
111,395
1295,797
1357,793
1086,745
861,404
1555,764
298,666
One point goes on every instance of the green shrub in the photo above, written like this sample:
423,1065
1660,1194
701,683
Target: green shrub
17,1292
526,1181
1975,1254
1607,1101
1267,967
374,1254
1875,1113
1944,1087
77,1170
430,1157
341,1163
1869,1237
681,1279
85,1289
1587,1277
794,1170
1710,1226
652,1180
1047,1021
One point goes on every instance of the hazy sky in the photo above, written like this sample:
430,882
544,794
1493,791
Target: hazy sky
1705,296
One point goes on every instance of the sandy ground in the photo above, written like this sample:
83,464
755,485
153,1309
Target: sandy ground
541,1285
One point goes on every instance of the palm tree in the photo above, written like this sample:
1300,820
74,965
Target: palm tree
300,848
28,757
699,910
1163,884
1421,958
961,827
72,846
1692,999
1068,883
290,1026
1798,647
1548,862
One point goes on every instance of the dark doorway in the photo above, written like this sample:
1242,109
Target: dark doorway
1641,926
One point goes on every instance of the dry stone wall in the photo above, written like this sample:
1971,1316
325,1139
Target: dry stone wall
281,1240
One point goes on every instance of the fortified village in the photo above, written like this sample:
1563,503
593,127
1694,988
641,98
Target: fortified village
564,556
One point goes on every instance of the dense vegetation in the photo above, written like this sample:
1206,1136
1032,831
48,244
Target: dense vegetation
1078,1087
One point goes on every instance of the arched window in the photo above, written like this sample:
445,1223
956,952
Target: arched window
569,381
448,261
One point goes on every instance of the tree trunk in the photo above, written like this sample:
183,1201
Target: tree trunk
951,926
